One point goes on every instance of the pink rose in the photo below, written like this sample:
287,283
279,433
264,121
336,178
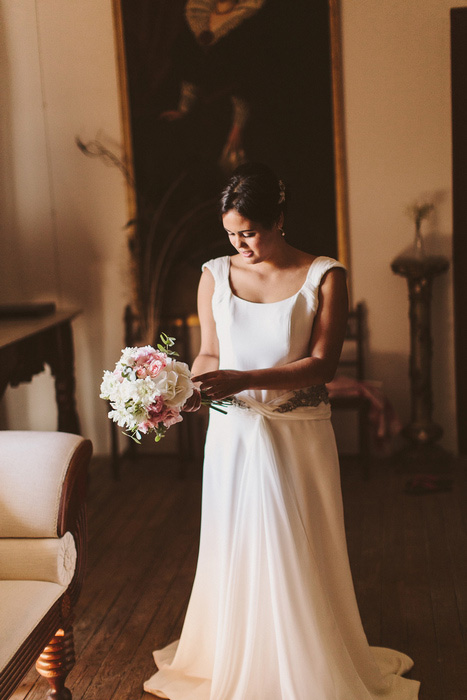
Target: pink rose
149,362
158,413
156,365
170,416
142,355
156,409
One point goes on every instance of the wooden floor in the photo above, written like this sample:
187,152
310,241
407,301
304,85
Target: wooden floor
408,557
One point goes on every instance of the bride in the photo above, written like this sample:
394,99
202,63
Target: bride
272,614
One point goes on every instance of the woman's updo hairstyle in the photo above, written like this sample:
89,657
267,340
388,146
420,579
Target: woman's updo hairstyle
255,192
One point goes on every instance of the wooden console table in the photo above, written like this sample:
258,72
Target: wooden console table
27,344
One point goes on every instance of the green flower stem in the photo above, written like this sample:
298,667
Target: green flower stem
212,403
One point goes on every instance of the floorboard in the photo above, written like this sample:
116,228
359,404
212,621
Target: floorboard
407,555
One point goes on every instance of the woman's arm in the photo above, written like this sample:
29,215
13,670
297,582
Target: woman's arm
325,348
208,356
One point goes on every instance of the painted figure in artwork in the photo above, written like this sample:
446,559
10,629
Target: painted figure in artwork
209,54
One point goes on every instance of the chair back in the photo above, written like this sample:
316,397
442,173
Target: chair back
352,361
33,469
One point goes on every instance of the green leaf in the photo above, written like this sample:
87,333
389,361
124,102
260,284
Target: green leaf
133,437
166,343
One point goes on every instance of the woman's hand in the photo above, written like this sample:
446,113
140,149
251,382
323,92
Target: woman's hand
222,383
193,403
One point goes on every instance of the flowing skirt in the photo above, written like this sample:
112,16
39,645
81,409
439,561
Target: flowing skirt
272,614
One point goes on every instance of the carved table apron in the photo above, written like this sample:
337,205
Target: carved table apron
27,344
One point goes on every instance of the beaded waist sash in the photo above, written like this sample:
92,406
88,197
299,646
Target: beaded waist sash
311,403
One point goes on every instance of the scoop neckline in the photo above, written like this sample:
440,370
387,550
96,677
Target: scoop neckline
268,303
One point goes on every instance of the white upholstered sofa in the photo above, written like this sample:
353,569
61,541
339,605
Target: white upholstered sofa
42,553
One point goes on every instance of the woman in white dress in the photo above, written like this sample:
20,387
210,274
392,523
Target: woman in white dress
272,614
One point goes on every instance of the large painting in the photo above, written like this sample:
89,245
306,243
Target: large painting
209,84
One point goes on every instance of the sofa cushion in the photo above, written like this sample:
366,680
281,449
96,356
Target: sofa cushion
33,466
49,559
23,605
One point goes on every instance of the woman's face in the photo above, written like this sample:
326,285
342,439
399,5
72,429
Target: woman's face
253,241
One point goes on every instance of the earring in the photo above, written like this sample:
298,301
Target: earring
282,231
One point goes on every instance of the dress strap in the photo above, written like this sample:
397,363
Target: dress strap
220,270
318,269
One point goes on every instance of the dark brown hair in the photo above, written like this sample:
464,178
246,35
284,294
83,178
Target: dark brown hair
255,192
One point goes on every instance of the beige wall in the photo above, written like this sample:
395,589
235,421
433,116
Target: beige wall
398,130
62,214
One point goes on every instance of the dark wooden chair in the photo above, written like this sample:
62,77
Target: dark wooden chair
352,364
50,477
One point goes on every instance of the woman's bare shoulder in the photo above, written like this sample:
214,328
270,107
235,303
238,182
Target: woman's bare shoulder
303,260
235,259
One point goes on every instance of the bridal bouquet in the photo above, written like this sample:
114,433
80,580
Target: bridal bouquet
148,388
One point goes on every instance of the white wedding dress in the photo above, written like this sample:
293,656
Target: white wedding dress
272,614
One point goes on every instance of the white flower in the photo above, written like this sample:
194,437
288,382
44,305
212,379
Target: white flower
127,357
174,383
122,417
109,385
185,386
137,391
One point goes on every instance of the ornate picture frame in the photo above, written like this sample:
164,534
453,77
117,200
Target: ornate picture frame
282,76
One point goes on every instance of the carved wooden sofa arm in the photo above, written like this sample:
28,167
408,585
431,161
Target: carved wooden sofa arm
43,479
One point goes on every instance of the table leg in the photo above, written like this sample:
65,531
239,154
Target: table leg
62,366
8,363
